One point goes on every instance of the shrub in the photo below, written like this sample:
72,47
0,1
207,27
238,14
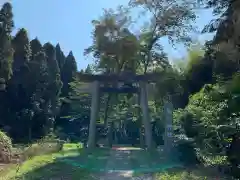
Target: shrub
46,145
234,156
5,148
186,149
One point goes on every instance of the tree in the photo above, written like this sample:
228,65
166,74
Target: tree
220,7
36,47
88,70
114,46
18,92
60,56
167,19
68,73
6,51
224,46
54,82
25,97
39,87
198,70
22,50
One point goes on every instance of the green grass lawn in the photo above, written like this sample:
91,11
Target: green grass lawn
196,173
48,167
76,163
94,160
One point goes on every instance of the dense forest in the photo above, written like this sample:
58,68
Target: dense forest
32,81
40,87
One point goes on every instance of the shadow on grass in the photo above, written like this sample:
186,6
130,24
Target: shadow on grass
55,171
82,163
101,160
53,166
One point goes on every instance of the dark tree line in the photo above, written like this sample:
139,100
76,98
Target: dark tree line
35,77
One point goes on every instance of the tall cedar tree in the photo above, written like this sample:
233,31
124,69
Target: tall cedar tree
6,51
68,73
36,47
22,50
88,70
19,90
60,56
54,75
39,83
55,84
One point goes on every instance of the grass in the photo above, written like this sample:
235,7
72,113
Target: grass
45,167
94,160
53,165
196,173
184,175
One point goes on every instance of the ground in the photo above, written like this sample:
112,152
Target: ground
120,164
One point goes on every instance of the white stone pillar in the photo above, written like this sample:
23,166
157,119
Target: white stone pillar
94,114
146,117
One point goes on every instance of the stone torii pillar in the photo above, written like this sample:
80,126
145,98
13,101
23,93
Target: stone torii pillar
145,111
95,86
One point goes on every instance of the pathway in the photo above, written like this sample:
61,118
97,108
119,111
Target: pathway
118,158
122,163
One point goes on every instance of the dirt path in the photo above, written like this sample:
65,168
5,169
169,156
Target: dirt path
117,157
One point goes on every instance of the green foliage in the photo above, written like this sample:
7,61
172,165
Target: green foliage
22,50
198,70
5,148
5,140
212,119
54,79
68,73
60,56
177,176
36,47
6,51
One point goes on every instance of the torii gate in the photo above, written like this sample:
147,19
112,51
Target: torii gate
94,87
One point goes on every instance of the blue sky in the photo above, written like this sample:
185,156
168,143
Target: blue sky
69,23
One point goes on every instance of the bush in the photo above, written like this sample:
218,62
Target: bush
48,144
186,149
234,156
5,148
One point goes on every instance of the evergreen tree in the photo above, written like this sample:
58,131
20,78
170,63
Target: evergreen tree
51,59
38,86
22,50
6,57
19,90
35,47
6,51
54,84
88,70
60,56
68,73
